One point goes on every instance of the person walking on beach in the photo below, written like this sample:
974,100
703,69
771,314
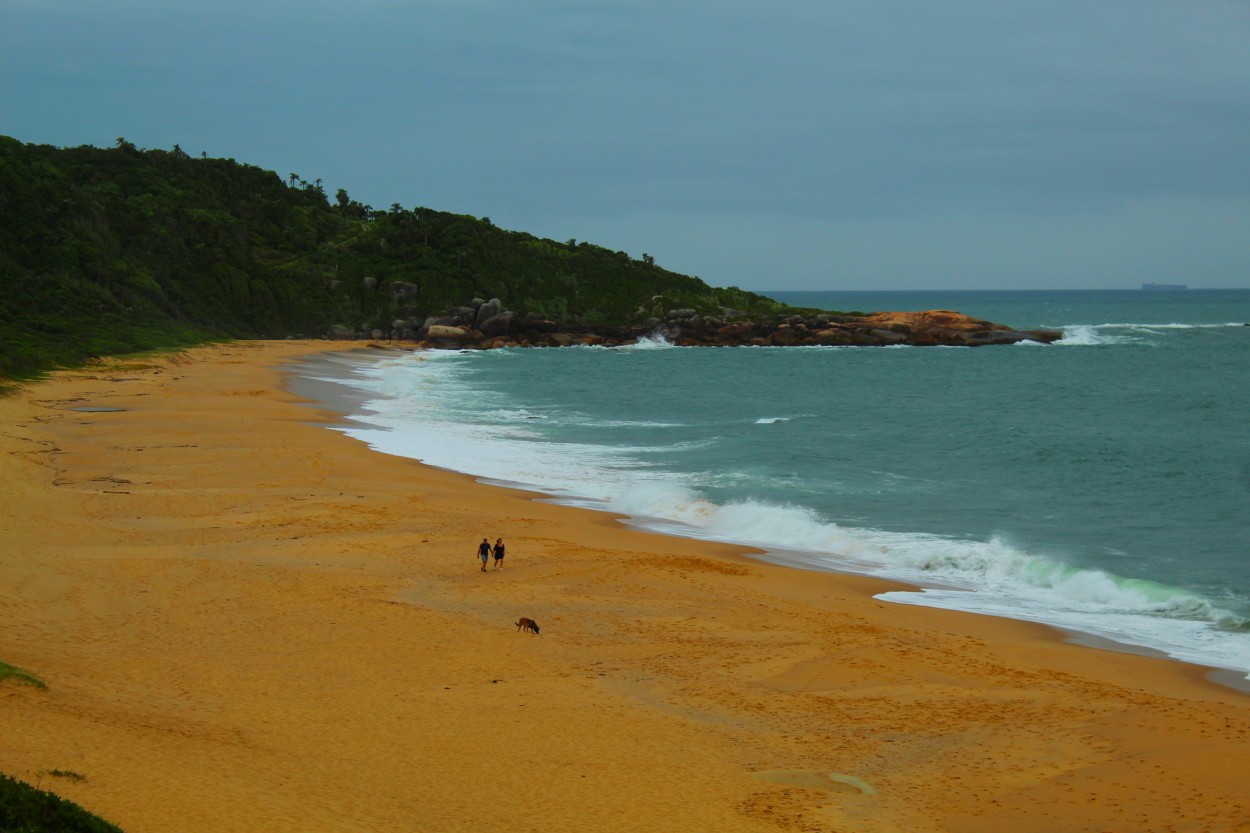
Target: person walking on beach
498,553
483,552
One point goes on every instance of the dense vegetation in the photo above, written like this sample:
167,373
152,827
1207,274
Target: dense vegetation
9,672
24,809
111,250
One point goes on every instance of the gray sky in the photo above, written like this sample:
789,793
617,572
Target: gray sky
860,144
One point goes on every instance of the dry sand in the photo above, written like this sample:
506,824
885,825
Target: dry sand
248,622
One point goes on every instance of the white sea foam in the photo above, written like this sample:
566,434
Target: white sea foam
991,577
1188,639
427,408
427,411
654,341
1172,326
624,423
1085,335
771,420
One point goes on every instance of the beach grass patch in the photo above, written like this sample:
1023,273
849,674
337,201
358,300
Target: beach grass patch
9,672
25,809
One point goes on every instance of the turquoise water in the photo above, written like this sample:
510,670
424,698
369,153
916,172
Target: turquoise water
1101,483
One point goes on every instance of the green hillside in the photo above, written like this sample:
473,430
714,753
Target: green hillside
112,250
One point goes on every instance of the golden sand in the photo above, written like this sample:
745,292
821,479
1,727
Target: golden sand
248,622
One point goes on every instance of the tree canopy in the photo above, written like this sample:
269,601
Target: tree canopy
121,249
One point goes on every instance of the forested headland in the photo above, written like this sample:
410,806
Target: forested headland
122,249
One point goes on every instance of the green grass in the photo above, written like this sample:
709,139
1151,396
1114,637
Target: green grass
25,809
9,672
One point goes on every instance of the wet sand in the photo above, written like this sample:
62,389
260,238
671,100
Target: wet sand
248,622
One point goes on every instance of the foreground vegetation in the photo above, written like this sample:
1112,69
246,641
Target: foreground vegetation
9,672
118,250
25,809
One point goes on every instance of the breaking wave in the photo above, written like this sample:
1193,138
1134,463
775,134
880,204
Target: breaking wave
422,407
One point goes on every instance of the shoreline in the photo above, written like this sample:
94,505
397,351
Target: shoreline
247,623
336,394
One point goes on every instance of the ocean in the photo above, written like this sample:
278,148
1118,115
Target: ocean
1100,484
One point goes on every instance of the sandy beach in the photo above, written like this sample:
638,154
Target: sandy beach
248,622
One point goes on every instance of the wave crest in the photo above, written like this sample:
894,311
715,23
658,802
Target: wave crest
996,566
654,341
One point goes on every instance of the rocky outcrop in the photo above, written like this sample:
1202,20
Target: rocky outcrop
487,324
939,326
339,333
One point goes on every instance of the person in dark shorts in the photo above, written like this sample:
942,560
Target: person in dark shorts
498,553
483,552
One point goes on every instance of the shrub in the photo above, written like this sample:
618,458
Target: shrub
24,809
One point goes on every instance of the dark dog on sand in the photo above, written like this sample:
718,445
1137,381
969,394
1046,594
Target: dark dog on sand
527,625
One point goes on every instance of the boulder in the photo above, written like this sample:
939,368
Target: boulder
487,310
541,325
675,314
340,333
1009,337
403,291
497,325
832,337
445,332
369,282
784,337
887,336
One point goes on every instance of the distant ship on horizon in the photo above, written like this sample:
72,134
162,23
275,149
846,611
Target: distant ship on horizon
1165,286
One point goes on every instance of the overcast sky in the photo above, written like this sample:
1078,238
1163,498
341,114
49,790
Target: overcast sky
830,144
